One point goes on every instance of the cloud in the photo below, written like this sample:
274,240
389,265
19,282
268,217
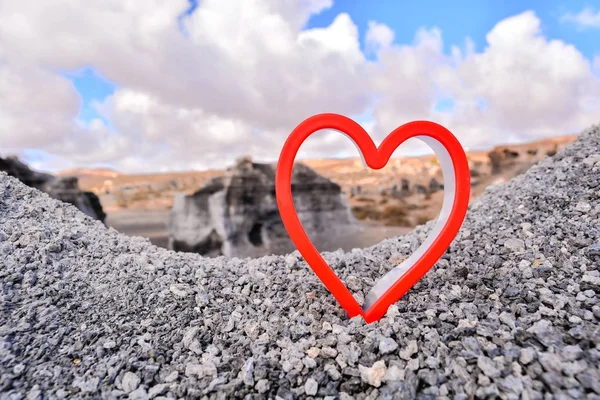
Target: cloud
529,95
243,74
586,18
379,36
241,67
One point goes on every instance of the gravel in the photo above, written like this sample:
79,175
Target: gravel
511,310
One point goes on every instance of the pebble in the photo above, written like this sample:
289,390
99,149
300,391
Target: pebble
411,348
514,244
527,355
387,345
583,206
311,387
130,382
263,386
109,345
373,375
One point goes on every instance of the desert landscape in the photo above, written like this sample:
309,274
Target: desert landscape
387,202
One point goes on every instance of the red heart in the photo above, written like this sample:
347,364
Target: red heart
400,279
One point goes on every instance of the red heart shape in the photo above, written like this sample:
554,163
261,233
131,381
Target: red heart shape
401,278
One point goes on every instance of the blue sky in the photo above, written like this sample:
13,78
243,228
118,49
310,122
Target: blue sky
461,18
92,87
456,20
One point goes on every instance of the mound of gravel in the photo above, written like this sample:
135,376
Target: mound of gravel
510,311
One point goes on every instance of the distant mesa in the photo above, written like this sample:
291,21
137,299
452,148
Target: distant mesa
236,214
63,188
522,157
90,172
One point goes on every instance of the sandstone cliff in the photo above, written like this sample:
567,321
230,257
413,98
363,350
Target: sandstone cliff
236,214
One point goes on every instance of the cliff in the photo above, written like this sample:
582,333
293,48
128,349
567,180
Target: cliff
236,214
64,188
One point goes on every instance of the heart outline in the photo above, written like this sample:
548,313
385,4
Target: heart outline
375,158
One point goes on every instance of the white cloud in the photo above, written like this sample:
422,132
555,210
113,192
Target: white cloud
586,18
246,73
244,66
29,115
379,36
534,87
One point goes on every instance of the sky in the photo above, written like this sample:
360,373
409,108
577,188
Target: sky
152,86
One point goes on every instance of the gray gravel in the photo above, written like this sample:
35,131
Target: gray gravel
511,311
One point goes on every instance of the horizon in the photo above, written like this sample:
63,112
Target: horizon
300,160
145,100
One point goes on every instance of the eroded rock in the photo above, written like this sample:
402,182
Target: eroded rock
65,189
236,214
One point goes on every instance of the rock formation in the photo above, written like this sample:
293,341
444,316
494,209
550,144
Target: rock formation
435,185
65,189
236,214
522,157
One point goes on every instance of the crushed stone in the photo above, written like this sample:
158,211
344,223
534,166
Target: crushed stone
511,310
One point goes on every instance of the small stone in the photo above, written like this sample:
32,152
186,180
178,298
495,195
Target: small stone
157,390
87,386
583,206
207,368
354,283
139,394
111,344
344,338
411,348
130,382
574,319
17,369
594,250
387,345
488,367
248,372
514,244
392,311
251,329
413,364
590,161
550,362
333,372
337,329
309,362
180,290
263,386
172,377
527,355
189,336
35,393
483,380
311,387
328,352
507,319
313,352
571,353
394,374
373,375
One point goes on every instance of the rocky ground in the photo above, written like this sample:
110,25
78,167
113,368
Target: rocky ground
511,310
